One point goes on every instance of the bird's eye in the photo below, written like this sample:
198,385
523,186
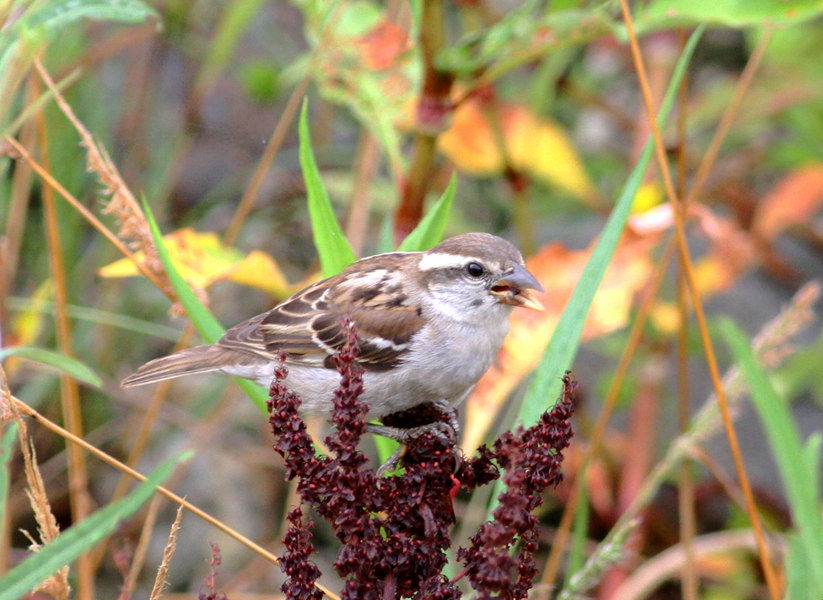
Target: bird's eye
475,269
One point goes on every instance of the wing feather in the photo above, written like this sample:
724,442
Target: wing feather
307,327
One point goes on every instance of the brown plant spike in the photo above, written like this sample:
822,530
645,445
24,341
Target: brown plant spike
394,531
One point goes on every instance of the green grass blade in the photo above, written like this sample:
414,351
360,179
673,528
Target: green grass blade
798,581
233,22
68,365
5,457
560,352
205,322
793,460
332,246
430,229
566,337
79,538
97,316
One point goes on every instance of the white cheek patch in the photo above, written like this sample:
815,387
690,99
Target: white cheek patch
437,260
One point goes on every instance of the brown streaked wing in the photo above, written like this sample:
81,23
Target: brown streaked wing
288,326
383,313
308,326
246,337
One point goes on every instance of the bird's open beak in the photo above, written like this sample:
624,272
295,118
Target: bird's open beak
515,289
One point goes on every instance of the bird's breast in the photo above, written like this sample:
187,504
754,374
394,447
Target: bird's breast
452,356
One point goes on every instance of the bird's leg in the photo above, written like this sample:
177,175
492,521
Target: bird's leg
392,462
446,430
448,409
405,435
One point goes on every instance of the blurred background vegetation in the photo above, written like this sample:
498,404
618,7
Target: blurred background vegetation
537,109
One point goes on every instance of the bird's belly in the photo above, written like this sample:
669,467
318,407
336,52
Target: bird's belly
443,368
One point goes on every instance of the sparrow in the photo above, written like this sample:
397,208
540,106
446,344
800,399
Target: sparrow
429,325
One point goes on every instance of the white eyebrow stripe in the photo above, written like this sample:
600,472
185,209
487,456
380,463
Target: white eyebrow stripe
438,260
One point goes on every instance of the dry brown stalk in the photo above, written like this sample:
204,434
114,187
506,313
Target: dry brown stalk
134,228
140,551
688,271
79,499
122,204
28,411
87,214
57,585
168,552
774,338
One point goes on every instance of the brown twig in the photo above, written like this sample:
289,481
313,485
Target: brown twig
79,499
269,154
686,262
88,215
771,346
366,163
26,410
278,136
433,107
609,403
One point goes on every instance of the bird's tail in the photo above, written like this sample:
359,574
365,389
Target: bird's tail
199,359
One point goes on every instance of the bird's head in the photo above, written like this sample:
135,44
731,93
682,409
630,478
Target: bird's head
477,275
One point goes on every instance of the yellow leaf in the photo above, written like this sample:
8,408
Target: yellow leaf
27,325
534,145
259,270
648,196
540,147
203,259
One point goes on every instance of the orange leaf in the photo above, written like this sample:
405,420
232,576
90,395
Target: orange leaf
470,142
793,201
732,253
383,44
558,270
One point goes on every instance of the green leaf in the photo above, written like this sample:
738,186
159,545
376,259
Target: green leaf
79,538
799,584
811,453
63,363
332,246
234,20
5,457
52,17
794,462
725,13
430,229
95,315
562,348
205,322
